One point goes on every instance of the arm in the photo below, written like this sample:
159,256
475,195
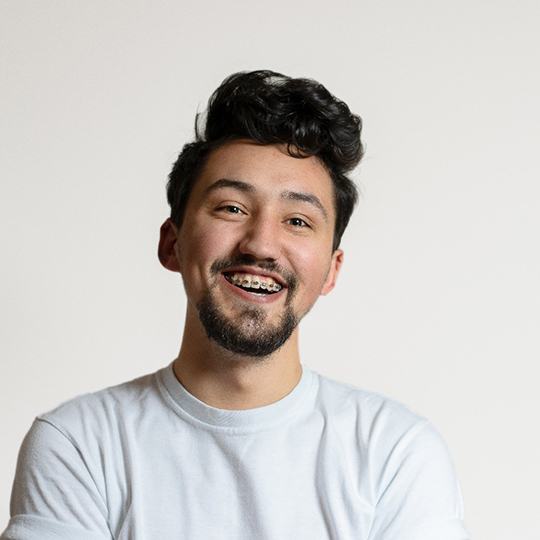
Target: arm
54,495
418,495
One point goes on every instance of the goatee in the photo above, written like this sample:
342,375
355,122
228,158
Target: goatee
247,334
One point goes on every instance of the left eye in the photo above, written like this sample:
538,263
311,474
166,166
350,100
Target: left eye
298,222
231,209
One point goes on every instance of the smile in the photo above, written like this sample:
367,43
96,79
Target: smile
262,296
261,285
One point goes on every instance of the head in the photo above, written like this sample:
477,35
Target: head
271,108
276,141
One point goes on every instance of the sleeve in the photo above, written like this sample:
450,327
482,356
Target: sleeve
54,496
417,492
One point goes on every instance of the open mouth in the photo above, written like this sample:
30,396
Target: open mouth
260,285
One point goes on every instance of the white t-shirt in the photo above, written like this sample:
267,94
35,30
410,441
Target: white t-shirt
147,460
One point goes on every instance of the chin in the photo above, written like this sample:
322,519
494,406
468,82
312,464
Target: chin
248,334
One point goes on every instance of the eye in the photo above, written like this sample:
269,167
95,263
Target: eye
231,209
298,222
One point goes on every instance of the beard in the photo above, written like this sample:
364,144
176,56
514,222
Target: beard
248,334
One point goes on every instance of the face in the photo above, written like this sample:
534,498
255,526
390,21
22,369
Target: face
255,246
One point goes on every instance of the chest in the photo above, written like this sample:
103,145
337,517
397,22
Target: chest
302,483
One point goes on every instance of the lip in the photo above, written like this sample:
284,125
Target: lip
256,272
250,297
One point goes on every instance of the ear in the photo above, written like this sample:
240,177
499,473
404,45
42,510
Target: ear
335,265
168,238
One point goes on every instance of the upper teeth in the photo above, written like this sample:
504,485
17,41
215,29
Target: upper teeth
255,282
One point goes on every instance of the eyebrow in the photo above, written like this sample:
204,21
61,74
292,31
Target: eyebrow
228,183
245,187
305,197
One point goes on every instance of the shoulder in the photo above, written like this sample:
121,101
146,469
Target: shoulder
375,415
387,433
102,412
72,457
405,452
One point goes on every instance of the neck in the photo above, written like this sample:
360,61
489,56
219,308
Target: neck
226,380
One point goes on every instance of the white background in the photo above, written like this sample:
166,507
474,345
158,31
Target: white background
438,303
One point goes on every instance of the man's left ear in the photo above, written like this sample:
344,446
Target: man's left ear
335,265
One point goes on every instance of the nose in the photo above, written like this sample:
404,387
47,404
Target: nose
261,238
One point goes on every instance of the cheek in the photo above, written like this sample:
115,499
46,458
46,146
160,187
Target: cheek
312,270
200,247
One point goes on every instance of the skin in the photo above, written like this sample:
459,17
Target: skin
265,226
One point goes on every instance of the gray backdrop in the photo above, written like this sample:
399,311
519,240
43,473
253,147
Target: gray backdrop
438,302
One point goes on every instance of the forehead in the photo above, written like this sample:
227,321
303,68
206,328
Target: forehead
269,168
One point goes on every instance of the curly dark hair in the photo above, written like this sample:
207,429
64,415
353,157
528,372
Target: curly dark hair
271,108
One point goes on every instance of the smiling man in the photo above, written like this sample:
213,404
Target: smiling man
236,438
256,255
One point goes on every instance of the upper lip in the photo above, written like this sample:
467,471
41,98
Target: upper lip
256,272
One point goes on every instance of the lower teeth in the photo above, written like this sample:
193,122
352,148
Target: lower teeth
256,291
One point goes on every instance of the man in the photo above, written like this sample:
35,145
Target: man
236,438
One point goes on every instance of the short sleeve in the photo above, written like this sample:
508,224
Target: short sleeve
418,494
54,496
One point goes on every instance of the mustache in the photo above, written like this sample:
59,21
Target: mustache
221,265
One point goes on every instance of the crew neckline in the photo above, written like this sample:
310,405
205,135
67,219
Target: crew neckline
255,419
